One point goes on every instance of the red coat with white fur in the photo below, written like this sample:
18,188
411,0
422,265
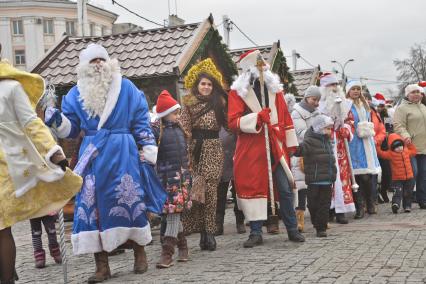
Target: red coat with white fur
250,162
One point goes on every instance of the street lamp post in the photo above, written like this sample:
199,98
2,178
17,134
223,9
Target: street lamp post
343,69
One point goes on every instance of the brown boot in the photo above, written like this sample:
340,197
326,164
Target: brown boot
241,228
182,248
166,258
272,226
102,268
300,215
141,265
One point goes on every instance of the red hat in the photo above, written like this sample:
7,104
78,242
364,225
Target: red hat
380,99
328,78
422,84
166,104
248,59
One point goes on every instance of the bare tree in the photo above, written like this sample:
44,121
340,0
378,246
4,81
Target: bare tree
412,69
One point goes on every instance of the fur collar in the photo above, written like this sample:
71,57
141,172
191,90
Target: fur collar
112,98
242,83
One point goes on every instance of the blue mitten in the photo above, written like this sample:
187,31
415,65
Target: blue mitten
52,117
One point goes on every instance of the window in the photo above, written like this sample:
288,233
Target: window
18,28
103,30
70,27
48,26
19,57
92,29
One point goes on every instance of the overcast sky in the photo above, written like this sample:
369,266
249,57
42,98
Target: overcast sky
373,32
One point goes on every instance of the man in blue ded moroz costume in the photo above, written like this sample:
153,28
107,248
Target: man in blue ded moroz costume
115,161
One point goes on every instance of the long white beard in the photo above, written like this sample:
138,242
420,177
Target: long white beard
242,83
94,81
328,104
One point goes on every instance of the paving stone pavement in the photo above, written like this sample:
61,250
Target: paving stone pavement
383,248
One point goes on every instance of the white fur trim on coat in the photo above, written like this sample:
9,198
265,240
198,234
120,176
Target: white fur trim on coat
242,83
349,128
365,129
248,123
254,209
49,155
112,98
108,240
149,153
291,138
64,130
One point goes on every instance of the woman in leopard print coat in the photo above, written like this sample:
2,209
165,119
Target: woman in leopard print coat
203,114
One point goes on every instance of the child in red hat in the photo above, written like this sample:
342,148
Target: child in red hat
173,172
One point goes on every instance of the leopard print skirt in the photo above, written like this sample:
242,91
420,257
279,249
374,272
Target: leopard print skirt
202,217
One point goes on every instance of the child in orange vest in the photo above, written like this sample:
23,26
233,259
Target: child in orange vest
402,173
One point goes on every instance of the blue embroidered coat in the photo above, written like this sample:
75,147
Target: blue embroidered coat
118,188
363,151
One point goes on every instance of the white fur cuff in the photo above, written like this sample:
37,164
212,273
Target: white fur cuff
64,130
291,138
348,127
248,123
49,155
149,153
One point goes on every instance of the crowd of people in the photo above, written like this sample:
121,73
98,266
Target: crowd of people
335,152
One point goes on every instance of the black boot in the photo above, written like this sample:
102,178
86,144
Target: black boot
359,204
341,218
222,191
241,228
331,215
360,213
239,221
203,245
295,236
384,195
253,240
370,198
219,224
210,242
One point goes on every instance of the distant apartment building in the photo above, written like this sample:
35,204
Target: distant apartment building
29,28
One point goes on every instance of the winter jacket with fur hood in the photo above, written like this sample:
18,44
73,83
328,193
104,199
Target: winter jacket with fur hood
318,156
410,122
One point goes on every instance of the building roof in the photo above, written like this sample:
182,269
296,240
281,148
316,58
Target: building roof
148,53
304,78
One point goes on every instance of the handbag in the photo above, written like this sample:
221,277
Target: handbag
198,190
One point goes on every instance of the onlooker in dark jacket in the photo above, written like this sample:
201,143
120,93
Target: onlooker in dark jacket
320,170
173,172
399,155
228,141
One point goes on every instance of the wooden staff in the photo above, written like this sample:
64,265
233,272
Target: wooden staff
260,64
